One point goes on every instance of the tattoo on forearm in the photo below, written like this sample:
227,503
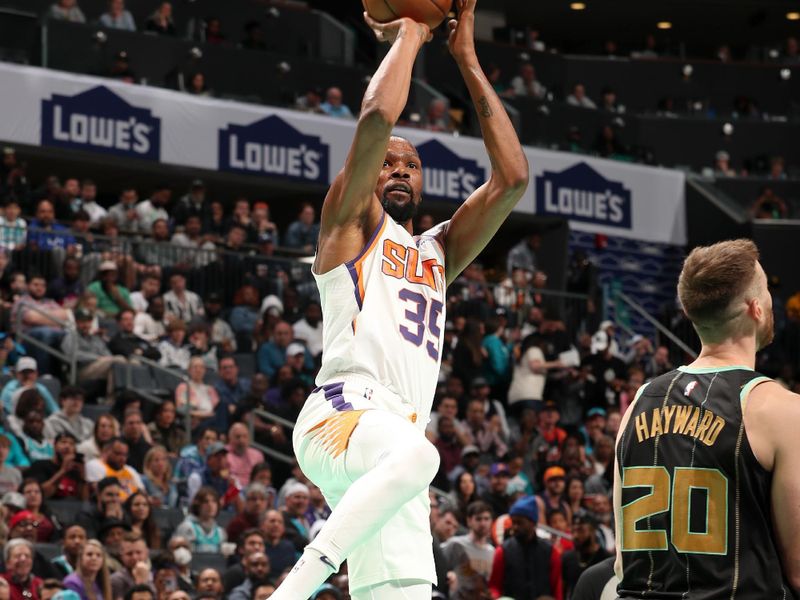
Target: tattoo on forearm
483,107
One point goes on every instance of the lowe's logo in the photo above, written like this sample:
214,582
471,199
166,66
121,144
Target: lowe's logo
100,121
447,175
581,194
273,147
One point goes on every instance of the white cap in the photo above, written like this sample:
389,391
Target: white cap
271,301
296,488
599,342
294,348
26,363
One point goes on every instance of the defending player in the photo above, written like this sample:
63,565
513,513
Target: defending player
707,490
360,436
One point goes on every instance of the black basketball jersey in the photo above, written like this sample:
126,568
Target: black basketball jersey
695,503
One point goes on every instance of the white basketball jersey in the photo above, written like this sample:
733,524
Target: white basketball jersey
384,315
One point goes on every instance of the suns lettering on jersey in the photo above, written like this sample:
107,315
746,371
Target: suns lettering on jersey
402,262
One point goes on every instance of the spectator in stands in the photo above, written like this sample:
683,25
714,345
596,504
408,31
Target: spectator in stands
445,526
497,358
215,474
253,36
61,476
87,202
484,434
241,457
197,85
74,539
209,582
91,578
31,436
13,228
272,354
199,345
165,429
136,571
126,343
139,513
650,49
309,329
437,116
579,98
151,325
303,233
525,85
248,542
230,387
609,101
659,363
282,552
524,557
471,555
67,10
105,428
180,302
523,255
157,478
161,20
194,203
124,212
553,495
45,234
608,144
10,477
310,102
193,458
112,464
27,377
212,31
465,491
94,359
722,165
334,106
111,297
149,211
299,359
249,520
497,496
141,592
221,333
201,397
257,570
200,528
134,433
201,249
294,514
449,447
587,551
245,313
174,352
18,558
117,17
67,289
769,205
42,318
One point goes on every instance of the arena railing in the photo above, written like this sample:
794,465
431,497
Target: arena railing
663,331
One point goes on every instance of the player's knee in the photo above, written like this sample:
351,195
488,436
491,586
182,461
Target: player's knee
423,462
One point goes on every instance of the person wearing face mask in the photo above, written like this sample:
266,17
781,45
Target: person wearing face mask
526,566
182,557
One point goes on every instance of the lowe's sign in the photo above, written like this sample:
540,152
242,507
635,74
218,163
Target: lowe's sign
579,193
100,121
447,175
272,147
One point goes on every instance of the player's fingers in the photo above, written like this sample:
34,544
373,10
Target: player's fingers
452,24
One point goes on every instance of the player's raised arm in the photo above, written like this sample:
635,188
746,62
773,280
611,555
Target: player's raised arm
352,193
479,218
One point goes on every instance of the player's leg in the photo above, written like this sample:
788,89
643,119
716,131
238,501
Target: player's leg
388,462
399,589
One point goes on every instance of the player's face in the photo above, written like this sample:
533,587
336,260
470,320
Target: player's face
400,181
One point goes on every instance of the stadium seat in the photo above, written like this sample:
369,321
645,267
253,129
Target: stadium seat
225,517
246,363
52,384
208,560
48,551
93,411
64,511
168,519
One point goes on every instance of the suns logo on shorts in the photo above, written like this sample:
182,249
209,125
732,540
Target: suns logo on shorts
689,387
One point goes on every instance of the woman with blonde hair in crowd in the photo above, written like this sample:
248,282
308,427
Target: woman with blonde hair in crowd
91,579
105,428
157,478
201,397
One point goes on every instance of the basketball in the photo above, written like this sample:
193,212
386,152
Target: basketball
430,12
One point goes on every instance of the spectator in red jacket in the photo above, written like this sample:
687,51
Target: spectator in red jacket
526,566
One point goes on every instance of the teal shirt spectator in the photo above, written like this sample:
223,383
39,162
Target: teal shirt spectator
272,357
497,366
16,455
12,386
105,303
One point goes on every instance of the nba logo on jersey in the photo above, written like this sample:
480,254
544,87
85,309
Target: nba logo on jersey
689,387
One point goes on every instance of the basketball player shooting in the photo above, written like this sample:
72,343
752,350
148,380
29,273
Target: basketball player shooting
360,436
707,493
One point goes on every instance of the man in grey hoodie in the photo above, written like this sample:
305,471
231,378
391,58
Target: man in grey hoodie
69,418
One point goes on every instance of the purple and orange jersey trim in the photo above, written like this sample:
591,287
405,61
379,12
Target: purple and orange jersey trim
355,266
